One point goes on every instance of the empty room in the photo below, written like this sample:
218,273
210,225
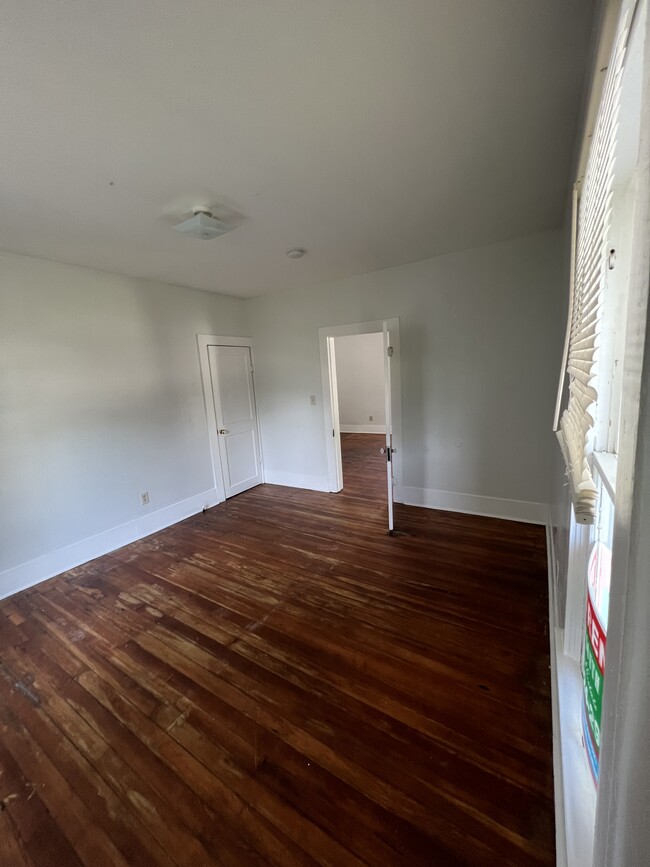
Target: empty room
324,433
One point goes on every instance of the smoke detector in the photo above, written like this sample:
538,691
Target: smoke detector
203,226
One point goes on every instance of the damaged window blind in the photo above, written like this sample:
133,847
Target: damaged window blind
592,221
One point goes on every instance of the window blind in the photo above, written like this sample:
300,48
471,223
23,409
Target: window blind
593,204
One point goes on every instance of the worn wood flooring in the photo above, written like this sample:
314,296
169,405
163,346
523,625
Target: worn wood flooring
278,681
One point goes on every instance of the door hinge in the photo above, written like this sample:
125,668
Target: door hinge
333,432
389,352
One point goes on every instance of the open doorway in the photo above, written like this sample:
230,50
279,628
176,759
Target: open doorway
359,360
360,425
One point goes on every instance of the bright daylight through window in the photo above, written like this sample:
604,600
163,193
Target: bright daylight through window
594,358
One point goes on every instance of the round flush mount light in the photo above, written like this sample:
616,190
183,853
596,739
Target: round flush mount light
296,253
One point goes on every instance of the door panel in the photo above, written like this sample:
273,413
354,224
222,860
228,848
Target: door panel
235,385
334,401
235,417
388,351
241,455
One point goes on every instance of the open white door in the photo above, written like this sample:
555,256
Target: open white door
235,417
393,403
334,407
388,451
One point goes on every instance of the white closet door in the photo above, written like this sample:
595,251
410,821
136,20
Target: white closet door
231,374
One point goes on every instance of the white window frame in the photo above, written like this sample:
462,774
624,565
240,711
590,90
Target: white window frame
603,454
584,817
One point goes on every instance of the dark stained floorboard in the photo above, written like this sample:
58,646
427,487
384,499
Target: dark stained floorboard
279,681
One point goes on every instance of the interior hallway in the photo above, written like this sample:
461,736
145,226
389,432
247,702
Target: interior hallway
364,468
278,681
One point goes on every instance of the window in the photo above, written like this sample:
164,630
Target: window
595,349
589,333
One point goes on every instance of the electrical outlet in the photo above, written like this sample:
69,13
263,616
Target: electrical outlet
312,399
371,418
144,498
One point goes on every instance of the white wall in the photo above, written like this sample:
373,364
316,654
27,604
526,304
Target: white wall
101,398
101,393
360,378
480,342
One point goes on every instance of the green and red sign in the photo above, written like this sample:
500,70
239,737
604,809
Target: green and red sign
593,661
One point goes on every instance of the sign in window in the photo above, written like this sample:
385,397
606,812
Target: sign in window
595,644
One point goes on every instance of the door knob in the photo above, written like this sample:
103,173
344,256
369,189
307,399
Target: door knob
223,431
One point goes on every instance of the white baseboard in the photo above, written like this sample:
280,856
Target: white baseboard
48,565
296,480
363,428
558,782
472,504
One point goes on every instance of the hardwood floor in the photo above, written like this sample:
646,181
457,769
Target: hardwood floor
364,468
278,681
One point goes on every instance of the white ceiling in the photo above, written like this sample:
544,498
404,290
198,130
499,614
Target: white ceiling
370,132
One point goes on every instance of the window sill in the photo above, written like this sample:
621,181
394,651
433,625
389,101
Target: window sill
578,790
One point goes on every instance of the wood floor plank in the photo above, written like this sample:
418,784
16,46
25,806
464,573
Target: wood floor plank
12,853
127,834
280,682
89,842
39,833
433,817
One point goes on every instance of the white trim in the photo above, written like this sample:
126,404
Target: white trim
298,480
473,504
206,340
350,330
558,780
607,466
333,447
363,428
578,807
389,351
324,335
575,793
48,565
576,587
567,337
621,818
553,566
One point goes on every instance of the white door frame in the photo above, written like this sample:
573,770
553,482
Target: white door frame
205,340
330,397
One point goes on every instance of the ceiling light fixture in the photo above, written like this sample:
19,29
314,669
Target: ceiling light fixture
203,226
296,253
